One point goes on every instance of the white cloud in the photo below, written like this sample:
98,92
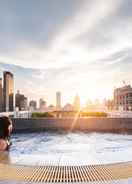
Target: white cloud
86,54
89,15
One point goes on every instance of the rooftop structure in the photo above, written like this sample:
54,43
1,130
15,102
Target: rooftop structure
123,98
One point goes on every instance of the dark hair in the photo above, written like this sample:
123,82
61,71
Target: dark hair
5,122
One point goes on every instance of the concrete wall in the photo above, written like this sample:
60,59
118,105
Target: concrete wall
88,124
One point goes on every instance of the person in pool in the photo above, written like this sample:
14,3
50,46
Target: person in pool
5,132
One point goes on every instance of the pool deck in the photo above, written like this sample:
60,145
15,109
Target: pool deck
110,173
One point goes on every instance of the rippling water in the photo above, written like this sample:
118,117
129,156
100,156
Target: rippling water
77,148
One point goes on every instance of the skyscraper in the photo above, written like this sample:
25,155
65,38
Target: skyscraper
58,100
8,91
1,96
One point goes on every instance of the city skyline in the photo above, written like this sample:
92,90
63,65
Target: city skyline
67,46
11,101
53,94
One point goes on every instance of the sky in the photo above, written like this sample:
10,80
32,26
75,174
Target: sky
74,46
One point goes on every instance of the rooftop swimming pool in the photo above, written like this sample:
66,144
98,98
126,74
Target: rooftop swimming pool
70,148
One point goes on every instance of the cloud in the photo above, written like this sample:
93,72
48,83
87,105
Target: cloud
34,21
45,31
69,45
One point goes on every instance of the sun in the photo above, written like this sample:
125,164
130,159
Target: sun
93,93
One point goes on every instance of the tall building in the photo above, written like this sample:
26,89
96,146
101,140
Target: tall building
1,95
76,103
8,91
20,101
123,98
33,105
58,100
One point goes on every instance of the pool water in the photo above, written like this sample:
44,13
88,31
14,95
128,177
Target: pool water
62,148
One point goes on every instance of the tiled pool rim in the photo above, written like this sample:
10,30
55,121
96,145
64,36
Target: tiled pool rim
65,174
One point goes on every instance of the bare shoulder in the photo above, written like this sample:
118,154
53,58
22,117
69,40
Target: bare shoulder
3,145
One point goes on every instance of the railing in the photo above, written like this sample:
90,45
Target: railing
27,114
120,114
17,114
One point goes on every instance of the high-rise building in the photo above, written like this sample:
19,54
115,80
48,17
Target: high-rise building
1,95
20,101
8,91
76,103
123,98
33,105
58,100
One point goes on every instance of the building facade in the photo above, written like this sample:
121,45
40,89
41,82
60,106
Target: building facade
58,100
20,101
1,96
123,98
8,92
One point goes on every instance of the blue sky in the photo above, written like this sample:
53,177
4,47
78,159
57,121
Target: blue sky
75,46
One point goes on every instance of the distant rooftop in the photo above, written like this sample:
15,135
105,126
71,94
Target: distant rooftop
124,87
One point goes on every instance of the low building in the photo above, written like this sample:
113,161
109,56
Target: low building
123,98
42,105
51,108
109,104
68,107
